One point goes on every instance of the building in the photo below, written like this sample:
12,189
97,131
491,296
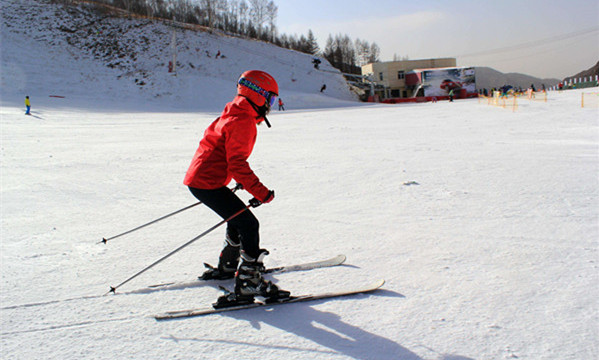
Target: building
389,78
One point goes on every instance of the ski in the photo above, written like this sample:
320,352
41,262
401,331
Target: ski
334,261
293,299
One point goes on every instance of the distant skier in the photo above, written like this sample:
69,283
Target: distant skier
323,87
27,105
222,156
281,105
451,95
316,62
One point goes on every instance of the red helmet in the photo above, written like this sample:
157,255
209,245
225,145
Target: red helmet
258,86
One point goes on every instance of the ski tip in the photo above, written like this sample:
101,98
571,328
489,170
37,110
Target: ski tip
379,283
375,285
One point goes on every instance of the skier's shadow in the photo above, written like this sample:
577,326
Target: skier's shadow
328,330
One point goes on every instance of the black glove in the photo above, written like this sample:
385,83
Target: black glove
255,202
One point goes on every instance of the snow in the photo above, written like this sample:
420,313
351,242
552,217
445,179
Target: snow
484,222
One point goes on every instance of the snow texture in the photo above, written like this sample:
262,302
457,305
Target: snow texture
484,222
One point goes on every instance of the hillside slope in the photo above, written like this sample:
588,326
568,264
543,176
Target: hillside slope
487,78
590,72
48,49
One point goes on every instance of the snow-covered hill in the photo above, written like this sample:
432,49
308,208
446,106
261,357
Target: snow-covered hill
49,49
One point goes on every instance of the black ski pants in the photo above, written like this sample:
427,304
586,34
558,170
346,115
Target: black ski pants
244,227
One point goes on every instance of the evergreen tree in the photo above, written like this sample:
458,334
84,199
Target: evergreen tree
312,44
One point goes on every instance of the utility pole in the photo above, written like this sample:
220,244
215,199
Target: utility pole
174,49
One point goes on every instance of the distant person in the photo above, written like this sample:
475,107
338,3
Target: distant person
281,105
532,86
27,105
316,62
451,95
323,88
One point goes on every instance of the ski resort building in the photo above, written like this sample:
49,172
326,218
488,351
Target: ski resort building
418,80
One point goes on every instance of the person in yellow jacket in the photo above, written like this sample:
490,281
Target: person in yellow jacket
27,105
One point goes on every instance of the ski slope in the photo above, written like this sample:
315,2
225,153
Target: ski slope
484,222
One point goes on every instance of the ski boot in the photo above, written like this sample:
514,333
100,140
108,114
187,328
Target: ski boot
249,283
227,262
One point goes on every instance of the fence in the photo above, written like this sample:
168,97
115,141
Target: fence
589,100
508,101
578,83
537,96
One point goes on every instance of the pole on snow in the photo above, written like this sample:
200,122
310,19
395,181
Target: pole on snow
252,204
105,240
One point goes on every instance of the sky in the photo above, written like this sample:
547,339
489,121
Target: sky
542,38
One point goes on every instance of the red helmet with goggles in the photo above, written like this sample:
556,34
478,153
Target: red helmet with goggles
259,87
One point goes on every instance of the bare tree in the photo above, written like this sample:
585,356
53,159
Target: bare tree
271,15
362,51
259,14
374,53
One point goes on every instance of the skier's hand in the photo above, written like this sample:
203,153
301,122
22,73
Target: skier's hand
255,202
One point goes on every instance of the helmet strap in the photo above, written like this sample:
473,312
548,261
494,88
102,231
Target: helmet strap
261,110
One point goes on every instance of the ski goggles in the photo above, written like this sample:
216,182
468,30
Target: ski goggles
270,97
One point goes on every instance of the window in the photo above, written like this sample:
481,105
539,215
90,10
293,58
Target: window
381,76
401,75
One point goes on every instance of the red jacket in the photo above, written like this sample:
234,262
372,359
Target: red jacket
224,150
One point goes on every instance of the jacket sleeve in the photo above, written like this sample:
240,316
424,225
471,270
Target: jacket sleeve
239,143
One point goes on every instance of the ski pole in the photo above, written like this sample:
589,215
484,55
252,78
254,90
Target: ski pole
252,204
105,240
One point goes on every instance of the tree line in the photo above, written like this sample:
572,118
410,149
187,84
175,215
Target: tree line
255,19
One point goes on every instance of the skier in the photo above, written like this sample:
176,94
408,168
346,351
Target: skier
316,62
281,105
27,105
451,95
323,87
222,156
